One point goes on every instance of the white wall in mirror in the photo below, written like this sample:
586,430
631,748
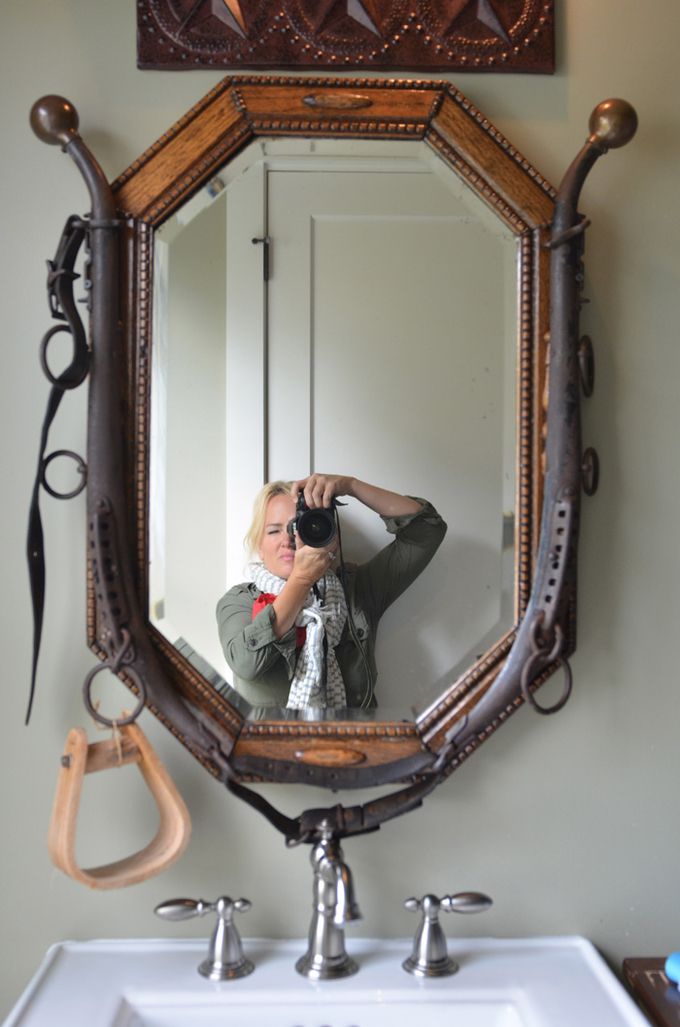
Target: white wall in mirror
187,479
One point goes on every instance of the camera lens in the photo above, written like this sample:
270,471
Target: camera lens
316,528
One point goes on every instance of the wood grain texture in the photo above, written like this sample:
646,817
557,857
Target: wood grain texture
486,154
174,831
290,106
171,169
359,749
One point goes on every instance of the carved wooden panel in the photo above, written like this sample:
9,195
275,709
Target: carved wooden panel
438,35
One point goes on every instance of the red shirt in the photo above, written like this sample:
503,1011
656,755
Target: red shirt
266,599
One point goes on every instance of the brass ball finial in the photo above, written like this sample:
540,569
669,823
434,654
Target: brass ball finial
54,120
613,123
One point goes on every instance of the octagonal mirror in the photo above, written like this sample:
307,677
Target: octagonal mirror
327,275
312,275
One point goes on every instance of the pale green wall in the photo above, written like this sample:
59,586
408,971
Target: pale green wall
571,823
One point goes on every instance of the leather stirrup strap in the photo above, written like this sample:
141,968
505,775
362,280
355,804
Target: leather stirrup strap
60,280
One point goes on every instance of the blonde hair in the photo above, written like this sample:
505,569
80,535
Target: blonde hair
256,530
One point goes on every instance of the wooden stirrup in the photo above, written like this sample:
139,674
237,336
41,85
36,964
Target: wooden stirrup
173,833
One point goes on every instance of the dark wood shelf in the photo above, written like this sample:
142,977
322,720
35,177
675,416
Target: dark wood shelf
658,997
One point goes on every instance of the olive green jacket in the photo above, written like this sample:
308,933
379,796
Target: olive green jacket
264,665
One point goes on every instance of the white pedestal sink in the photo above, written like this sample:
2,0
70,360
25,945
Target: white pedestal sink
541,982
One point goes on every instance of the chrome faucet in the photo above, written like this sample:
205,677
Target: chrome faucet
430,957
225,960
333,906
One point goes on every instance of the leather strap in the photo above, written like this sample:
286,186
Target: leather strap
60,279
343,821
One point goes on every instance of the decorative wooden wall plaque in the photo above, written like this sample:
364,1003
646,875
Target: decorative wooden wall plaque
434,35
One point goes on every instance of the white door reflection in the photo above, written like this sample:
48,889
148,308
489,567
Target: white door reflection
383,345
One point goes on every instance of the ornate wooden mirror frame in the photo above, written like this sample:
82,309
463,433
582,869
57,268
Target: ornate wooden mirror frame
554,367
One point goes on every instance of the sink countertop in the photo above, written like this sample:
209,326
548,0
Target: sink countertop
557,982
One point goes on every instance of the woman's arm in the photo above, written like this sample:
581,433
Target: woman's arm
310,565
418,528
320,490
386,575
251,646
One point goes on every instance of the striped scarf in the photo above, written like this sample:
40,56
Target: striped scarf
323,617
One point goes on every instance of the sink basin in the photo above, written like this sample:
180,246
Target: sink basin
541,982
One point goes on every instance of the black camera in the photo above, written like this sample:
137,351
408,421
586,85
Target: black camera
314,528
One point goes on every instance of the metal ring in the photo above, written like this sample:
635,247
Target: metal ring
528,694
113,664
60,382
82,470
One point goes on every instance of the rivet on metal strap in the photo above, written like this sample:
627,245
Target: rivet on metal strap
590,471
586,365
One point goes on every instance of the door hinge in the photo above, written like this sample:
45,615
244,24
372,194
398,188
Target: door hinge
265,243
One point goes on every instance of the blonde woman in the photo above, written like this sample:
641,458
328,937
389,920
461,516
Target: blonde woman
302,634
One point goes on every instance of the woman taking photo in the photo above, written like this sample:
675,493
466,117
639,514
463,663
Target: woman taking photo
302,634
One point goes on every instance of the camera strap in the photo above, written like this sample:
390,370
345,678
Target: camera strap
350,621
324,667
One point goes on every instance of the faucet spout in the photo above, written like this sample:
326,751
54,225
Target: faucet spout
333,906
346,906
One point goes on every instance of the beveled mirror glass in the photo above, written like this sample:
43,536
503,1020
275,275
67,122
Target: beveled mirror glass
383,337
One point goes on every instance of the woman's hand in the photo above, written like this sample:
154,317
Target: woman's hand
311,564
320,490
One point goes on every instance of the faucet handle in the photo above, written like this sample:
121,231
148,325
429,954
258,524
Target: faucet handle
225,953
465,902
461,902
430,956
186,909
183,909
